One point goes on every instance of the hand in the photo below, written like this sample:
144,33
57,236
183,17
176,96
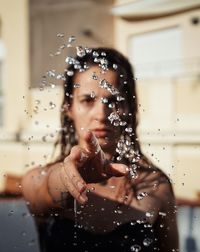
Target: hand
88,164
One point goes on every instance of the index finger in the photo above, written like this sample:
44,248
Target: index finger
91,144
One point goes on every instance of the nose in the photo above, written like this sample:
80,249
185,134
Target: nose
101,111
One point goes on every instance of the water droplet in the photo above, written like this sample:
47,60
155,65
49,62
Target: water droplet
80,51
62,47
141,195
92,94
95,54
120,98
115,66
60,35
59,77
147,241
110,88
43,173
52,105
129,130
71,39
51,73
135,248
104,100
111,105
11,212
94,76
57,53
162,213
23,233
70,60
149,214
70,73
52,85
76,85
37,102
116,123
114,118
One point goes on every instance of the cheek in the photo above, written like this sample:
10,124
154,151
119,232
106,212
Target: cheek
80,118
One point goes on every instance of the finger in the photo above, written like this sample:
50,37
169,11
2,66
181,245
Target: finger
114,169
73,181
91,144
78,155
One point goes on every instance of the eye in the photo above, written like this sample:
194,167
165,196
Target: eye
87,100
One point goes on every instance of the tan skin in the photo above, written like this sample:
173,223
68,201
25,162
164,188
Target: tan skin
87,166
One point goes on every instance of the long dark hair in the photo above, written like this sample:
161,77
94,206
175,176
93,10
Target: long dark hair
107,58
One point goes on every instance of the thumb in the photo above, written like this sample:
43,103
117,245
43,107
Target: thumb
114,169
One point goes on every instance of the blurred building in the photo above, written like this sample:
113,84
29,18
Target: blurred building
161,39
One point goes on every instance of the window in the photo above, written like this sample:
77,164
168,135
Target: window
157,53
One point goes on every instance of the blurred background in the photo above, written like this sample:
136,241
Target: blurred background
162,40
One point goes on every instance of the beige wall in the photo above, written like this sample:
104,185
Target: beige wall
71,18
169,113
38,131
14,34
15,78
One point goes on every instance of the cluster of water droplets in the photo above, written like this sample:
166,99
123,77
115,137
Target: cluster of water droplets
125,147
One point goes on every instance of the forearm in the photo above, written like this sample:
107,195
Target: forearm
42,189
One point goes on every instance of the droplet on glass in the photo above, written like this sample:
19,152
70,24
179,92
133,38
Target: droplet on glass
52,105
95,54
59,77
60,35
115,66
92,94
37,102
70,60
129,130
147,241
51,73
11,212
80,51
23,233
70,73
149,214
135,248
162,214
123,123
76,85
71,39
52,85
120,98
104,100
141,195
94,76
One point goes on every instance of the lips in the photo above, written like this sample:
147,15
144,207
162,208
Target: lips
101,132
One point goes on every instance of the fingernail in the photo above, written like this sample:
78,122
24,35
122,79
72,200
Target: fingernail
124,169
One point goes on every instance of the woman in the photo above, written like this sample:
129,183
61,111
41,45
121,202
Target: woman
102,192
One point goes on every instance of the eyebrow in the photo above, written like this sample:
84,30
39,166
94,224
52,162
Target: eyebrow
86,95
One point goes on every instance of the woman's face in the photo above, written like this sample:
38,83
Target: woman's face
90,107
